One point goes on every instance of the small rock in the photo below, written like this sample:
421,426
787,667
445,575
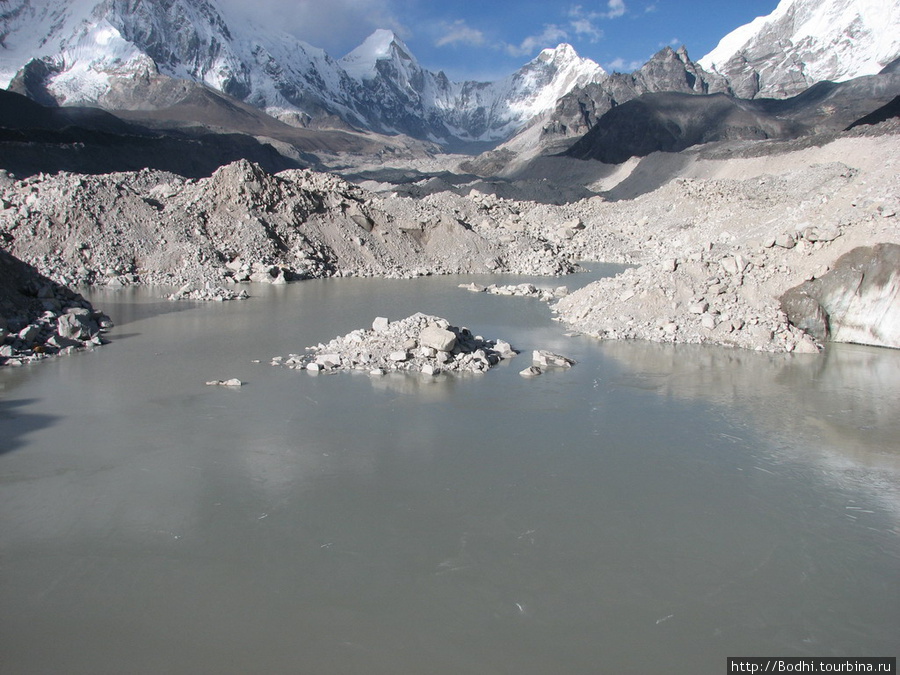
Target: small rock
473,287
504,349
233,382
380,324
806,346
329,360
822,233
698,308
785,241
531,371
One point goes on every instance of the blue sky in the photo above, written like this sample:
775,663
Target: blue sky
489,39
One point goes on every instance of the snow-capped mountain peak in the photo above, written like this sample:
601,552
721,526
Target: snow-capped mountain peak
87,46
382,45
88,51
538,85
561,54
806,41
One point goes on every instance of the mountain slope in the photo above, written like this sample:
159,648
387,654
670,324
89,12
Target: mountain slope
807,41
99,51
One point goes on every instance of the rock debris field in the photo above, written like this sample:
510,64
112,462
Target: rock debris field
713,242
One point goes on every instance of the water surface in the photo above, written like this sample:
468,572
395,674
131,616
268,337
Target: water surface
655,509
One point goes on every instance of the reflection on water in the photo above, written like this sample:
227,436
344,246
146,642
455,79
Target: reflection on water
654,509
840,408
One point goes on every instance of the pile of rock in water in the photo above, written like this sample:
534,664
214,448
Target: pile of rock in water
61,323
417,344
526,290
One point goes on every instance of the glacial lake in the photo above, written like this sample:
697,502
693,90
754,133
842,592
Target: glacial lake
655,509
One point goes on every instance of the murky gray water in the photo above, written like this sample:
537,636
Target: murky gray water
653,510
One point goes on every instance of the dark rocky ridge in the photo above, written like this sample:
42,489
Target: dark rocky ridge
189,129
671,121
36,139
166,104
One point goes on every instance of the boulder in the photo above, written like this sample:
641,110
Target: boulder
504,349
30,333
544,359
60,342
805,312
857,301
439,339
73,326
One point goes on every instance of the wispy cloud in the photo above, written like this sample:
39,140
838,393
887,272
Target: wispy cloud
551,35
583,24
460,33
580,23
616,8
620,65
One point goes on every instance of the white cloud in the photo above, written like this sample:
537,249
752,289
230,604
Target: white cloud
620,65
583,27
582,23
616,9
459,33
551,35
